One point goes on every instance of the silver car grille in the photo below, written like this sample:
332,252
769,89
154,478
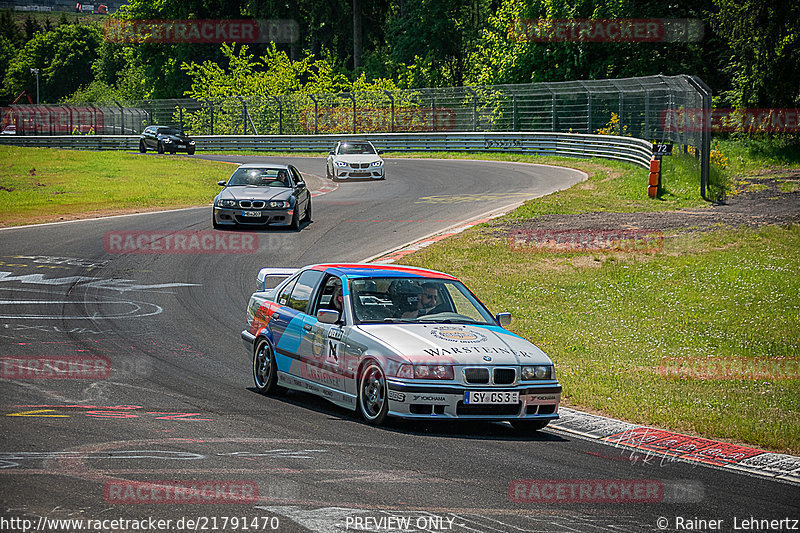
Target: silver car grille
359,165
254,204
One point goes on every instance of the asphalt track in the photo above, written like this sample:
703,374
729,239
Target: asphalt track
169,398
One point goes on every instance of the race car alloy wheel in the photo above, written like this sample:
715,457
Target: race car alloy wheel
265,370
142,147
307,217
372,401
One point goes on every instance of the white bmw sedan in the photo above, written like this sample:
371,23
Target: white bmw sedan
354,159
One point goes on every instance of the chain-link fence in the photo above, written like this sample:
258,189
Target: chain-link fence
636,107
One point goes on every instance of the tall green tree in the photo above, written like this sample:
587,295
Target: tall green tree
763,37
506,56
64,58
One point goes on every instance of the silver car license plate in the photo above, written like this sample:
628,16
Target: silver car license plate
491,397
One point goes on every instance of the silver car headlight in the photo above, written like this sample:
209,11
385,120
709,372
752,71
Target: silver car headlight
226,203
278,204
530,373
341,164
377,163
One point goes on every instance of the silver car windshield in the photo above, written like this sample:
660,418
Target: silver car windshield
260,177
416,300
355,149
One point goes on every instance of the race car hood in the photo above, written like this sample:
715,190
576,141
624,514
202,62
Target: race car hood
456,343
245,192
358,158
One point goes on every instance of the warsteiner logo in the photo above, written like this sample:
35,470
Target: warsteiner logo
458,335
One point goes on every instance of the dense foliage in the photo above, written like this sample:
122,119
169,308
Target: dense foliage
748,55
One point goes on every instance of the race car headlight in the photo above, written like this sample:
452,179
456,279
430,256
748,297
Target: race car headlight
278,204
529,373
377,163
433,372
191,142
226,203
167,140
341,164
425,372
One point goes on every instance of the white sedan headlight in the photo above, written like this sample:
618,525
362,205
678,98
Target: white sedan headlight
377,163
341,164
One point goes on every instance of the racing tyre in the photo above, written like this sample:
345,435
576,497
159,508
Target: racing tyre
327,172
307,216
190,151
265,370
295,225
214,221
373,403
529,426
142,147
160,148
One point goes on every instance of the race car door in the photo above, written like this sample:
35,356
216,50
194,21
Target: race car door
323,356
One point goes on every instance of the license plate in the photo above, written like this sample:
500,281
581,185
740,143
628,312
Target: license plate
251,213
491,397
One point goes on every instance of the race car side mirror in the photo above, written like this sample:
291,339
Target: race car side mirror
331,153
504,319
221,183
328,316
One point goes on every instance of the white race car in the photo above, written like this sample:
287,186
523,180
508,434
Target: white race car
354,159
396,341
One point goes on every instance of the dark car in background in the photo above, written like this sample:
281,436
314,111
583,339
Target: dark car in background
261,194
165,139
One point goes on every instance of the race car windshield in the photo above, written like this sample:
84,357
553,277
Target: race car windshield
169,131
260,177
415,300
356,149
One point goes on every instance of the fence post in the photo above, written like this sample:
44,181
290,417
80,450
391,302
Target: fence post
353,98
316,114
705,153
391,99
474,108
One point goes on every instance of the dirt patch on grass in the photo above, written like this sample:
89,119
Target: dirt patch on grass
752,206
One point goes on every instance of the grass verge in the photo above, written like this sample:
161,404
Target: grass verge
614,324
43,184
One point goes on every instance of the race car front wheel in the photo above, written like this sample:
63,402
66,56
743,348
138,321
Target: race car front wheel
372,398
265,370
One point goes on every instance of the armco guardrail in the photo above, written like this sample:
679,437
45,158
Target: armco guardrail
628,149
